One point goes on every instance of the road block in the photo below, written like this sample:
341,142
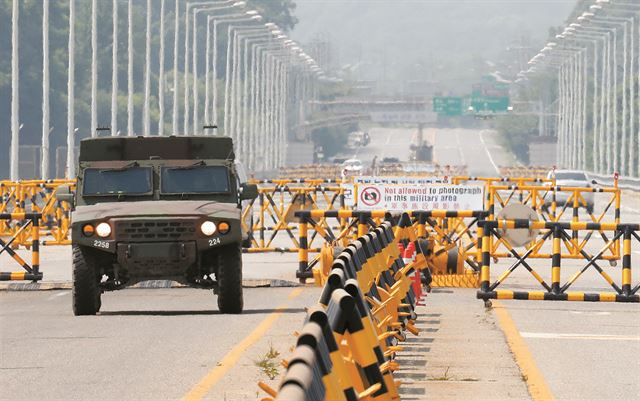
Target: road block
626,291
272,213
36,196
536,197
31,272
452,240
348,346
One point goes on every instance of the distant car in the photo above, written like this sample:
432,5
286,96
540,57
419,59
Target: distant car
571,178
391,160
351,167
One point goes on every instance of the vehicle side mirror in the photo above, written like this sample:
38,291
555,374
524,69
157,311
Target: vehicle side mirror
248,191
64,194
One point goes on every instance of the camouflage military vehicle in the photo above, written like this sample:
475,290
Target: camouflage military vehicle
157,208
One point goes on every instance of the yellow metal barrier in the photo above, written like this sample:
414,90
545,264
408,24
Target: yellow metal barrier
36,196
31,272
556,291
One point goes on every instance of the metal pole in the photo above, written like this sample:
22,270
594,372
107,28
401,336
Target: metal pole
114,70
623,140
603,98
594,147
15,93
214,88
44,156
614,99
94,68
583,134
176,35
161,77
194,60
130,69
207,74
633,101
71,168
147,75
227,82
186,69
607,136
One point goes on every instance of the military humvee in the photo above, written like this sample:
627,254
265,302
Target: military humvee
157,208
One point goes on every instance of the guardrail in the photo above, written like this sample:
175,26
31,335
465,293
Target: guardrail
31,272
348,346
625,292
623,182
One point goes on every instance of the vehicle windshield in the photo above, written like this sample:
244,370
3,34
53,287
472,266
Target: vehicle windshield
124,181
194,180
577,176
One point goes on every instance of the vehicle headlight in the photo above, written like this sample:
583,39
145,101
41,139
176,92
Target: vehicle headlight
208,228
103,230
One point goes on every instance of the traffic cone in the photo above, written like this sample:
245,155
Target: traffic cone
417,287
410,252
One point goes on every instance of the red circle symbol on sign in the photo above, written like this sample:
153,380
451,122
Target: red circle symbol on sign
370,196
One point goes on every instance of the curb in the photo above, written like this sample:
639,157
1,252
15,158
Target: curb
151,284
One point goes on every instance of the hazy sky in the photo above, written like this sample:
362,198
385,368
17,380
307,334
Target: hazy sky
426,39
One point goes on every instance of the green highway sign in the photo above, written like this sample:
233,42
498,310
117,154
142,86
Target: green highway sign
448,105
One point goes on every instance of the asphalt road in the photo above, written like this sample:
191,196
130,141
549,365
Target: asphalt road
171,344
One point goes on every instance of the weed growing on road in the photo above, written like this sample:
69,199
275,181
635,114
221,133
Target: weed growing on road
444,377
268,363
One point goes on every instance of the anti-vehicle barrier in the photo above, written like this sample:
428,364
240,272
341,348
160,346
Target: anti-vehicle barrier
271,214
36,196
31,272
558,291
542,200
348,346
449,234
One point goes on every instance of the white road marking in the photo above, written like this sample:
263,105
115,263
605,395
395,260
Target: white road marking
388,139
576,336
590,313
486,149
60,294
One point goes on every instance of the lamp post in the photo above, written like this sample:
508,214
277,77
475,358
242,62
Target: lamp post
71,168
15,93
94,68
44,152
114,69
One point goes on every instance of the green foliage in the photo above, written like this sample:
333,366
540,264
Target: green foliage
516,132
332,139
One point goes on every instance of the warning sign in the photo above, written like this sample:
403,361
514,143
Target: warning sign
422,197
370,197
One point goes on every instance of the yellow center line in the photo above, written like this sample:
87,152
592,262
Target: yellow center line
207,382
538,388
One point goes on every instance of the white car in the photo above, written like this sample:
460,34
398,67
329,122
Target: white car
351,168
571,178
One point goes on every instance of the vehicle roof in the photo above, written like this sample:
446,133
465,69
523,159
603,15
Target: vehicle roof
163,147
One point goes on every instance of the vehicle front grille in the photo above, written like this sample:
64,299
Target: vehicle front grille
156,230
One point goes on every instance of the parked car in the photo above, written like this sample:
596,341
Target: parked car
571,178
351,168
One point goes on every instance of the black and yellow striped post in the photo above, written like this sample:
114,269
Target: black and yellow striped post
555,260
626,261
30,272
303,272
485,269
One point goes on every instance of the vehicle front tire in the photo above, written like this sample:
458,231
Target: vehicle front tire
86,294
229,278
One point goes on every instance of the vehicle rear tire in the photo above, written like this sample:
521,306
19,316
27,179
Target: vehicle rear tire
86,294
229,278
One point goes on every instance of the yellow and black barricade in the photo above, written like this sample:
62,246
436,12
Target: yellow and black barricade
31,272
558,291
347,348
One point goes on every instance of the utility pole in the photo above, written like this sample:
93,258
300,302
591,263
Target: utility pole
15,93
